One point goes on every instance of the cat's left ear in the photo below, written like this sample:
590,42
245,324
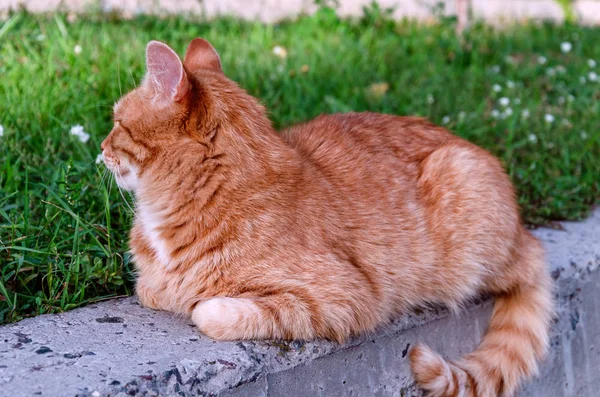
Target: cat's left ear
165,71
200,54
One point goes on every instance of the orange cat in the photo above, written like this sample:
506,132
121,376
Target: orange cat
327,230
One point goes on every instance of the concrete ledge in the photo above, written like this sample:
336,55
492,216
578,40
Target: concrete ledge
118,348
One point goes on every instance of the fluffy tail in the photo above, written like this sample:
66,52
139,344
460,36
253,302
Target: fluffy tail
516,339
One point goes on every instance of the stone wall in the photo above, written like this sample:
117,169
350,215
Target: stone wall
588,11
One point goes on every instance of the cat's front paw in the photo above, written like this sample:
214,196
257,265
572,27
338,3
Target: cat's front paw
225,318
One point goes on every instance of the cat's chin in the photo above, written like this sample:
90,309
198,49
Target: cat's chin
126,175
126,182
126,179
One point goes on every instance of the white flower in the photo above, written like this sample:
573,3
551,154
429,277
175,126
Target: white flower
430,99
582,79
1,131
495,113
561,100
583,135
592,76
508,112
77,49
542,60
99,158
532,138
566,47
280,51
549,118
510,84
525,113
462,115
591,63
78,131
445,119
571,98
561,69
565,122
41,37
504,101
496,88
496,69
550,145
550,72
517,101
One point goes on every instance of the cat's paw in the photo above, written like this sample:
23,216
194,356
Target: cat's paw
225,318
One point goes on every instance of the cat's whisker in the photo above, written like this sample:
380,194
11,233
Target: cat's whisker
90,163
104,177
122,195
100,177
132,199
111,178
108,180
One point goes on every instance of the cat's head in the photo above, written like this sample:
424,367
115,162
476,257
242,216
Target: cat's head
168,108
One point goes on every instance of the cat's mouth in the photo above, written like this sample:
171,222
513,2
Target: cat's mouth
108,160
114,165
124,175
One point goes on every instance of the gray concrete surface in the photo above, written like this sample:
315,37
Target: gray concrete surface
117,348
273,10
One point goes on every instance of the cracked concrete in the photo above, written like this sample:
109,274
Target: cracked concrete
118,348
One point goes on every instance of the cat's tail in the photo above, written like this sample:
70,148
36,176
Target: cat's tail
516,339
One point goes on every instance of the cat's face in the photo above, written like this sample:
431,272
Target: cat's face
151,118
127,144
119,157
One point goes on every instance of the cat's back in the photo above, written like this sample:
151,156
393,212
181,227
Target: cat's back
352,140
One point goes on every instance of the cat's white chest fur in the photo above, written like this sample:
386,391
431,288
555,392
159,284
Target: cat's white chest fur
151,223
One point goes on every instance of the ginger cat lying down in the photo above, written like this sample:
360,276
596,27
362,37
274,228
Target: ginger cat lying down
326,230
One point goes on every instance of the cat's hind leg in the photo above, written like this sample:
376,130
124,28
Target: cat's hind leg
279,316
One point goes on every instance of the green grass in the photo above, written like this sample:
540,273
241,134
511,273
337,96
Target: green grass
63,229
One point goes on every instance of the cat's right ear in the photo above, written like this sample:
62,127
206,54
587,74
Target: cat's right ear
201,54
165,71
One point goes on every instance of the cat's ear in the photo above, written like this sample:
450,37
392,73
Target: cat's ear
201,54
165,71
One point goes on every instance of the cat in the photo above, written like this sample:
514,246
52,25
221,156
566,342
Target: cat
326,230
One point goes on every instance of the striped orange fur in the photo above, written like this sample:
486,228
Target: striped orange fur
325,230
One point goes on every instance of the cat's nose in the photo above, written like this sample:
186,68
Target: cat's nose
103,145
